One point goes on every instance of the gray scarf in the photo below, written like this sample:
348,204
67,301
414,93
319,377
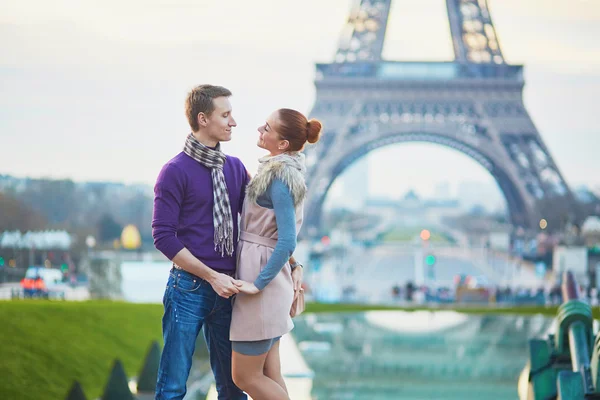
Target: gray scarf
222,217
288,167
295,160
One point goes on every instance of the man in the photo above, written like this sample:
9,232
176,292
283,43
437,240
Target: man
198,196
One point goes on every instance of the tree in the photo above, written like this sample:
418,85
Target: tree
108,228
55,199
18,216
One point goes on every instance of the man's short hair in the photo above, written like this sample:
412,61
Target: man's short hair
200,100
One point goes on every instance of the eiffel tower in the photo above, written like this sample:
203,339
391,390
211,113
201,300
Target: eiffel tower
473,104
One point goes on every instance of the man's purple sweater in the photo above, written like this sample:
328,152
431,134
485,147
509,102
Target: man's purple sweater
183,209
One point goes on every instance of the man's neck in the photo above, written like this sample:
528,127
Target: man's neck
204,140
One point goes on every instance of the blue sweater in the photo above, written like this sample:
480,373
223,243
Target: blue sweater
278,198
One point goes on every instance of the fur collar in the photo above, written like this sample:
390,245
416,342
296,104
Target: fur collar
291,176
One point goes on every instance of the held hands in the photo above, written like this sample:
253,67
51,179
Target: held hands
247,287
225,286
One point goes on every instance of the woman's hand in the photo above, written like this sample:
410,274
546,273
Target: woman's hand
247,287
297,275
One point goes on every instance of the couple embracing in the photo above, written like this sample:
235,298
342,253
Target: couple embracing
237,284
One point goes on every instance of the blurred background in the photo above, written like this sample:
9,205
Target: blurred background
458,168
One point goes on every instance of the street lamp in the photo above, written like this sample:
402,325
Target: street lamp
90,242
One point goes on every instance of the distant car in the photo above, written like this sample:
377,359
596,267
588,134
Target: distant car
43,282
472,289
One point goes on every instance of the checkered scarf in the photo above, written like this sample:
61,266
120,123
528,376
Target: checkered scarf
222,218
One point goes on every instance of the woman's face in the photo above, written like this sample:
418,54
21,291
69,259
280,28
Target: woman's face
269,138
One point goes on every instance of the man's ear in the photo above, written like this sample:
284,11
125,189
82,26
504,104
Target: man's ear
202,120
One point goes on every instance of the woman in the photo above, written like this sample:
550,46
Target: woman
271,218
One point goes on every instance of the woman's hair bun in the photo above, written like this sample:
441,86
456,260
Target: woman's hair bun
314,130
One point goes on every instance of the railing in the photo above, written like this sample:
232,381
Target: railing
560,367
395,70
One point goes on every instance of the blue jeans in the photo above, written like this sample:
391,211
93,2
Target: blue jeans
191,303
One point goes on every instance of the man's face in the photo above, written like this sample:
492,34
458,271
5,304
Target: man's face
220,122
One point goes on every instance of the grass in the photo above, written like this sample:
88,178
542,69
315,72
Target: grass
45,346
409,234
468,309
48,345
549,311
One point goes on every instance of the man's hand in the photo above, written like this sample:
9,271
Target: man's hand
248,288
297,275
224,285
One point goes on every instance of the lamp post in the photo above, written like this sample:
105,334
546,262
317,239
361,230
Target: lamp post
90,242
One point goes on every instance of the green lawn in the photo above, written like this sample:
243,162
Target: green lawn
47,345
525,310
409,234
467,309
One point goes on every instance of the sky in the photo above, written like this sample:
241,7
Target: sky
94,90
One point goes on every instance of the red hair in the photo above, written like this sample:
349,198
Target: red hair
297,129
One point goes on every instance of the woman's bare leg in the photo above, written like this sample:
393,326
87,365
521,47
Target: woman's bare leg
272,367
248,375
